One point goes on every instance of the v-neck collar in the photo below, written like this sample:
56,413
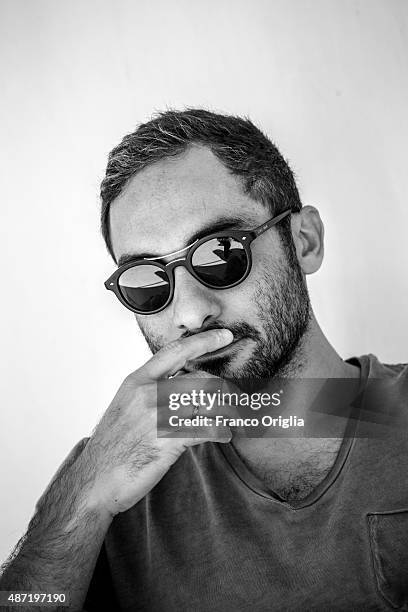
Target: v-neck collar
257,486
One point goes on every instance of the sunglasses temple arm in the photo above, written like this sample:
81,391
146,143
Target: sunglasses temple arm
265,226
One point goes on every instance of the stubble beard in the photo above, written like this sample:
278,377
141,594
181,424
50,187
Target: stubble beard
282,305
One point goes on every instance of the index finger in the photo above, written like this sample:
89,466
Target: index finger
174,355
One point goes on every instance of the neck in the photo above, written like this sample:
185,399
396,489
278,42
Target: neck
315,358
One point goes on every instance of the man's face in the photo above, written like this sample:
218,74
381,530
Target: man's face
268,313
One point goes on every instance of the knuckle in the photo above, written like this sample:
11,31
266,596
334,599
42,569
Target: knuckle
175,346
131,379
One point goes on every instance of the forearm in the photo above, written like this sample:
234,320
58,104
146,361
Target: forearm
59,551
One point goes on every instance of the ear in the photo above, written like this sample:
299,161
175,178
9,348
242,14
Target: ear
308,237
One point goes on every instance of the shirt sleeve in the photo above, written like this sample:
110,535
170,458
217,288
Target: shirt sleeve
101,594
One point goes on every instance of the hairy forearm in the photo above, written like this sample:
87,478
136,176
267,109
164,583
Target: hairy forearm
59,551
58,560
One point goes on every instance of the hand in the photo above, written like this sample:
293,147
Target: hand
123,459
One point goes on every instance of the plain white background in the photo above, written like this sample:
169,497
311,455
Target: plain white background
326,79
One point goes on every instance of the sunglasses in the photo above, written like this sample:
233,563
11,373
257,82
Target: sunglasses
219,261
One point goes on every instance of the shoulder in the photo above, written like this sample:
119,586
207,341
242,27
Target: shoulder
385,395
388,370
372,367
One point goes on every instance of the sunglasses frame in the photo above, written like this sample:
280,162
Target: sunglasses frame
245,237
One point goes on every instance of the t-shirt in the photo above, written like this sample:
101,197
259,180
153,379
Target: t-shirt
210,537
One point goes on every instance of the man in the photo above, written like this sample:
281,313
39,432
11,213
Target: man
224,522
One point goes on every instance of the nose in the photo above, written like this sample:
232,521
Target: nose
193,305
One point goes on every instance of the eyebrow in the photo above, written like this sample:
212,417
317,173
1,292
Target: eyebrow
219,225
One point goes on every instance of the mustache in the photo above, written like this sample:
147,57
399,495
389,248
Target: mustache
239,330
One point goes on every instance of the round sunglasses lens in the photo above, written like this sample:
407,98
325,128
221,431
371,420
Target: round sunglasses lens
146,288
220,262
